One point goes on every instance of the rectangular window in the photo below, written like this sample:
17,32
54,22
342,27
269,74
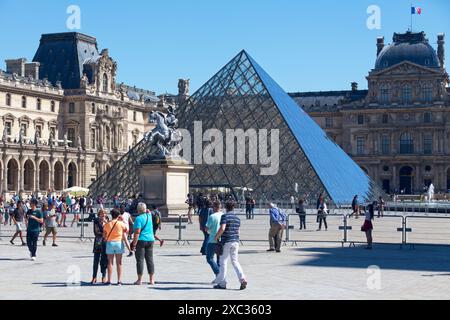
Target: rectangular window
427,117
329,122
384,95
53,132
92,138
360,145
427,94
8,127
71,137
71,107
427,144
39,131
23,126
406,95
134,116
385,145
360,119
52,106
385,119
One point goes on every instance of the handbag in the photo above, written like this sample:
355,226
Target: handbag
218,250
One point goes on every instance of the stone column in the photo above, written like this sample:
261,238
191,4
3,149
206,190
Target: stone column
395,185
418,174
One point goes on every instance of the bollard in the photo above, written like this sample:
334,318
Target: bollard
180,236
345,228
287,228
82,224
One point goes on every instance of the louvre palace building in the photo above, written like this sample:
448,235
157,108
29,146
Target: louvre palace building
63,118
398,130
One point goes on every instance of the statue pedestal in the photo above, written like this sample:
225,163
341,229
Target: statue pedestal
165,183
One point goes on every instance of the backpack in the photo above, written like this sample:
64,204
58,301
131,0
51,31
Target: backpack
156,219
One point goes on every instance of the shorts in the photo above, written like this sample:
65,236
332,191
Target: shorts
115,247
51,230
19,226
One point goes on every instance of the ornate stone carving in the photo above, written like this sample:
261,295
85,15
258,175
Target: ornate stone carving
183,87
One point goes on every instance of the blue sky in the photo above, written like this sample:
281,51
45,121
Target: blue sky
304,45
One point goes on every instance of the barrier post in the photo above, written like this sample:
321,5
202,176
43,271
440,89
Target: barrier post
345,228
287,228
180,236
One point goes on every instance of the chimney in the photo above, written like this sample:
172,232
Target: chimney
380,45
354,86
440,51
16,66
32,69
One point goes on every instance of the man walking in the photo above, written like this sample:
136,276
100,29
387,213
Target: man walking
229,235
17,217
276,228
212,227
35,219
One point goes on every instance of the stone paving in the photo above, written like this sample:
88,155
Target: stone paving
309,271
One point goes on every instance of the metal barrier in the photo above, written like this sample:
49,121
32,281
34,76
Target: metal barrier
407,229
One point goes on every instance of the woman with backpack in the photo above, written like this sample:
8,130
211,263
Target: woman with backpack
156,219
142,244
367,227
114,236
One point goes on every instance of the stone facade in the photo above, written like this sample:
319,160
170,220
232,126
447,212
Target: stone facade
56,135
398,130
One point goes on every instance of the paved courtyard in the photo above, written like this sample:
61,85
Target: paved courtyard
309,271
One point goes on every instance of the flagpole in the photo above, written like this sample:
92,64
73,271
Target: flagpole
410,12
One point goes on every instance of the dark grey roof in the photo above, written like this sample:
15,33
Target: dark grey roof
409,46
322,101
62,56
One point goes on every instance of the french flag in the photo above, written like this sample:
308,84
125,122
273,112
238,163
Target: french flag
415,10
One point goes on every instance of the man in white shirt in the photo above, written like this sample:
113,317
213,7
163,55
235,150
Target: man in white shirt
127,220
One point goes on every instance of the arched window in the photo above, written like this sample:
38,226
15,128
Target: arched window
105,82
24,102
406,94
8,99
406,143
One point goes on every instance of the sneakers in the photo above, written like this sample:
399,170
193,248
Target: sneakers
220,287
278,250
270,250
33,258
12,242
243,285
54,245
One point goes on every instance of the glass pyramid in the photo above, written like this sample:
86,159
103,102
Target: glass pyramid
242,95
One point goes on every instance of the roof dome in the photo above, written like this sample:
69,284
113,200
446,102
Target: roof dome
409,46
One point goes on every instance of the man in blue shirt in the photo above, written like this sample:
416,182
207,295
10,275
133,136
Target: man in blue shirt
142,243
35,220
277,222
229,237
212,227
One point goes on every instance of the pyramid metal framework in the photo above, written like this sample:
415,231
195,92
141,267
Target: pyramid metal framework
243,96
